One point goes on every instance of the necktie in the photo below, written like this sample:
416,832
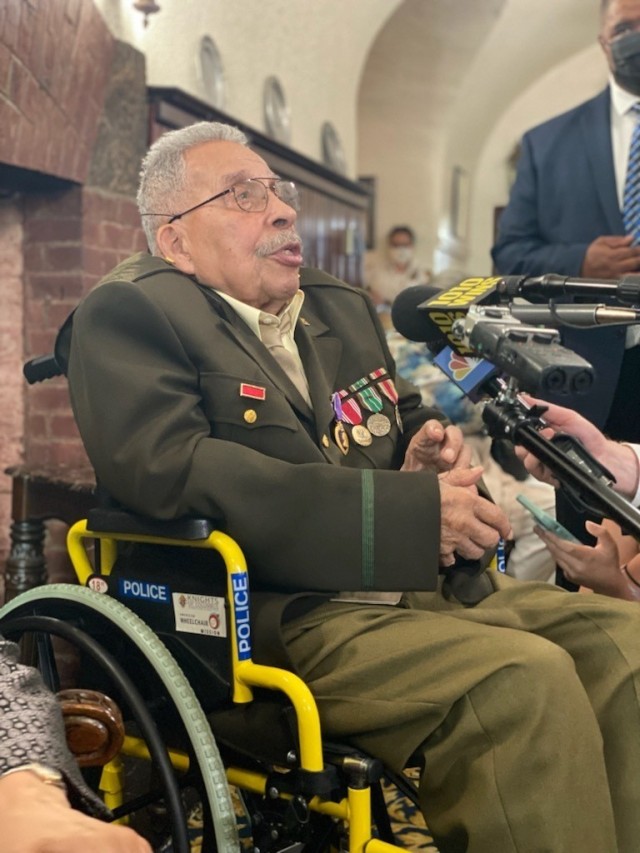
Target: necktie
272,330
631,201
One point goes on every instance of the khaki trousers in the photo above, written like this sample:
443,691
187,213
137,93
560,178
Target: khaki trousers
524,710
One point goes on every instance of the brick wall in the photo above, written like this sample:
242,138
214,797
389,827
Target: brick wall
73,127
11,321
53,57
71,239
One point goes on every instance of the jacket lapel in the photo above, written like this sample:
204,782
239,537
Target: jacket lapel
320,354
595,125
315,363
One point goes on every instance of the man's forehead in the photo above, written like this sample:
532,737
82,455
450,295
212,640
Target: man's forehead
227,161
620,11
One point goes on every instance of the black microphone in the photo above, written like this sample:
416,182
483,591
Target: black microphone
406,317
572,315
475,377
625,290
424,314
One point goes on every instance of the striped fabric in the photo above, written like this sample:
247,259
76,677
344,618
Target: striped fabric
631,201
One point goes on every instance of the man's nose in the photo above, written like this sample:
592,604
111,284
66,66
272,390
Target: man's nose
281,214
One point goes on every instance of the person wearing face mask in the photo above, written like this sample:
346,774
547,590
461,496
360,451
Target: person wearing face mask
386,276
571,212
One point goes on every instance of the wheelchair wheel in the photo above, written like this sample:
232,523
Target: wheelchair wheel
85,618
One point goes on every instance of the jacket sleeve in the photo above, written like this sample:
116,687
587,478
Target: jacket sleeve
31,728
522,247
306,526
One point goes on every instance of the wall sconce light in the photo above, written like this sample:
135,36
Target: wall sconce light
147,7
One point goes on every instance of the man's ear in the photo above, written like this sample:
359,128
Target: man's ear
174,248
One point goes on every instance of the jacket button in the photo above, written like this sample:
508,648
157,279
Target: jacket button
250,416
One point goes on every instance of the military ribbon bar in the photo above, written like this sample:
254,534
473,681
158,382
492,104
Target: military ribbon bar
255,392
351,412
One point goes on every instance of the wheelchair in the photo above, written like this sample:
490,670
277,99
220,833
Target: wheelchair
201,719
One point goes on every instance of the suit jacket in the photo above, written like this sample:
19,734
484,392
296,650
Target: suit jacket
563,198
158,370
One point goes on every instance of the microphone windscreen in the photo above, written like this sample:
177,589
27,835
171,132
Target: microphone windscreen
408,319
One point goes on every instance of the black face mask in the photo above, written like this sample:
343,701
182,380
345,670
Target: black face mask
625,55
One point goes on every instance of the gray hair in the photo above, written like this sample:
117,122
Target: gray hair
163,175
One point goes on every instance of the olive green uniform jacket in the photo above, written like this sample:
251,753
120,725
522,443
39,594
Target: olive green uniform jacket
184,411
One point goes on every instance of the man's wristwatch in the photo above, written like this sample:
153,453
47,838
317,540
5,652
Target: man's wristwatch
47,775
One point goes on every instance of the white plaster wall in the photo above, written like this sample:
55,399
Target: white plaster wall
560,89
530,38
315,47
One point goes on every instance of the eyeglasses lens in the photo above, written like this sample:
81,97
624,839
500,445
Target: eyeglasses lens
253,195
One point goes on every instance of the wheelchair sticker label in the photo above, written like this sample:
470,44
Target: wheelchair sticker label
200,614
143,590
240,586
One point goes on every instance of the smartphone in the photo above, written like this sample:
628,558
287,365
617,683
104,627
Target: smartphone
547,521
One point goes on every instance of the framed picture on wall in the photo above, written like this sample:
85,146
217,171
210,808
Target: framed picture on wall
369,183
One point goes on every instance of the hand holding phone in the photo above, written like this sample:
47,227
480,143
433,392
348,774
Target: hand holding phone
546,521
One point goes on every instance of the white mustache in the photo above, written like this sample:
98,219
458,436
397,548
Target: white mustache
284,238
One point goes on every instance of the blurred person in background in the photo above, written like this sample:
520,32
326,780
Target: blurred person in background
386,275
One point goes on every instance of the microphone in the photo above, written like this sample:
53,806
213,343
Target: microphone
571,315
408,320
423,315
625,290
475,377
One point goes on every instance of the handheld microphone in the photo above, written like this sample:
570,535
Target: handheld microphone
420,315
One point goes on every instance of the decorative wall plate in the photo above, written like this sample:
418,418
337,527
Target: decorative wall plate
211,72
277,115
332,150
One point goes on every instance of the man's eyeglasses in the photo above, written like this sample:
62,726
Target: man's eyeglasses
251,195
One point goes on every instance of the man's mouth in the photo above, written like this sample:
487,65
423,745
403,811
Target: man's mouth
290,254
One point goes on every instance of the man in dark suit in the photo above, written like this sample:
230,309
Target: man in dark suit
565,214
349,499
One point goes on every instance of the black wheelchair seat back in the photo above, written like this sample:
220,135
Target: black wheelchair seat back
180,594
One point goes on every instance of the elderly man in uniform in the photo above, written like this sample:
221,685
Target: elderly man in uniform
217,376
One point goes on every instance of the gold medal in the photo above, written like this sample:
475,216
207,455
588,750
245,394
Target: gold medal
378,424
341,437
361,435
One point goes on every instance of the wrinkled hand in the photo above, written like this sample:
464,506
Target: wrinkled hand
437,448
597,567
37,818
610,257
617,458
469,524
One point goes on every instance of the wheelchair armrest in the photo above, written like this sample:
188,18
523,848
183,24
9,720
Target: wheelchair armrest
120,521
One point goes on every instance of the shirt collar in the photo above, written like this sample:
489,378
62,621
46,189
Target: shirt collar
251,315
621,100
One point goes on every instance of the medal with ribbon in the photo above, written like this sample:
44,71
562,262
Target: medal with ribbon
351,411
367,394
387,385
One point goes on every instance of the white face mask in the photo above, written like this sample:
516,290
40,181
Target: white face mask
401,254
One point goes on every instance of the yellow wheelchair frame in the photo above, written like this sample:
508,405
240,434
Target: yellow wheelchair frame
353,811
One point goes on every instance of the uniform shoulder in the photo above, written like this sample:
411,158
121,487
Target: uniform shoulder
137,268
315,278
